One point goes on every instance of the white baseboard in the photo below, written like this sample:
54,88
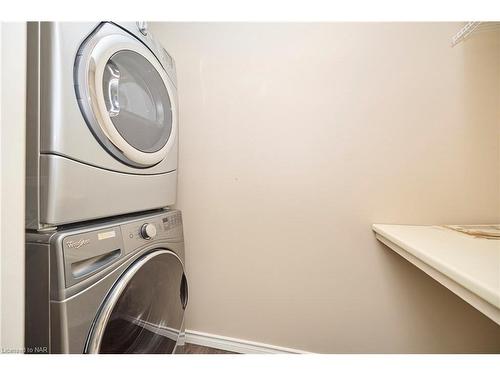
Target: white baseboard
230,344
237,345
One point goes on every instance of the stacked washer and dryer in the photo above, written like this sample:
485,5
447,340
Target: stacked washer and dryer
104,252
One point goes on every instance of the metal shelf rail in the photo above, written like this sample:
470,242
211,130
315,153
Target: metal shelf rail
472,28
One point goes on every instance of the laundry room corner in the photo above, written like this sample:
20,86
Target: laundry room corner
295,139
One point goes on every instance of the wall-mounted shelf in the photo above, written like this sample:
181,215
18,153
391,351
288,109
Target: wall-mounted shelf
468,265
472,28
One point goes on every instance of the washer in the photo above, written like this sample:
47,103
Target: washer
102,123
116,286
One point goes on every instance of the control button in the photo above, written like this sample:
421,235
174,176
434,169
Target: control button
148,231
143,27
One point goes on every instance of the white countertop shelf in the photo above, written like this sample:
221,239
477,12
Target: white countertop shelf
469,266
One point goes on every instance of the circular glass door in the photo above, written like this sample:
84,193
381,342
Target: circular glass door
144,311
127,99
137,101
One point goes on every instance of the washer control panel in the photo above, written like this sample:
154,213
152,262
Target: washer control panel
140,232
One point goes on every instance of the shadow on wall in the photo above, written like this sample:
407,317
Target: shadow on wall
443,318
476,52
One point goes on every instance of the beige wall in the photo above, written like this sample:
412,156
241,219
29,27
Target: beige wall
295,138
12,150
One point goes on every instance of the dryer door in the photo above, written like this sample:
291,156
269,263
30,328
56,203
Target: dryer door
144,311
126,97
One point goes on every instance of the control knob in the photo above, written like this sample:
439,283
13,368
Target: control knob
148,231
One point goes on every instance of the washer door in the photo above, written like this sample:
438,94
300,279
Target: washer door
144,311
127,98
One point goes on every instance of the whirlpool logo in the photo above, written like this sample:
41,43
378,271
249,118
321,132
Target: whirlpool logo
77,244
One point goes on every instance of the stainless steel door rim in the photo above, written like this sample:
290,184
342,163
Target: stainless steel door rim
98,327
95,61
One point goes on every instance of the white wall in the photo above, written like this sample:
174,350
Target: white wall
294,139
12,160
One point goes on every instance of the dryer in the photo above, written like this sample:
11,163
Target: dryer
112,286
102,122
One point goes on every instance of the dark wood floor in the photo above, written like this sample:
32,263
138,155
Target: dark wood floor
198,349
